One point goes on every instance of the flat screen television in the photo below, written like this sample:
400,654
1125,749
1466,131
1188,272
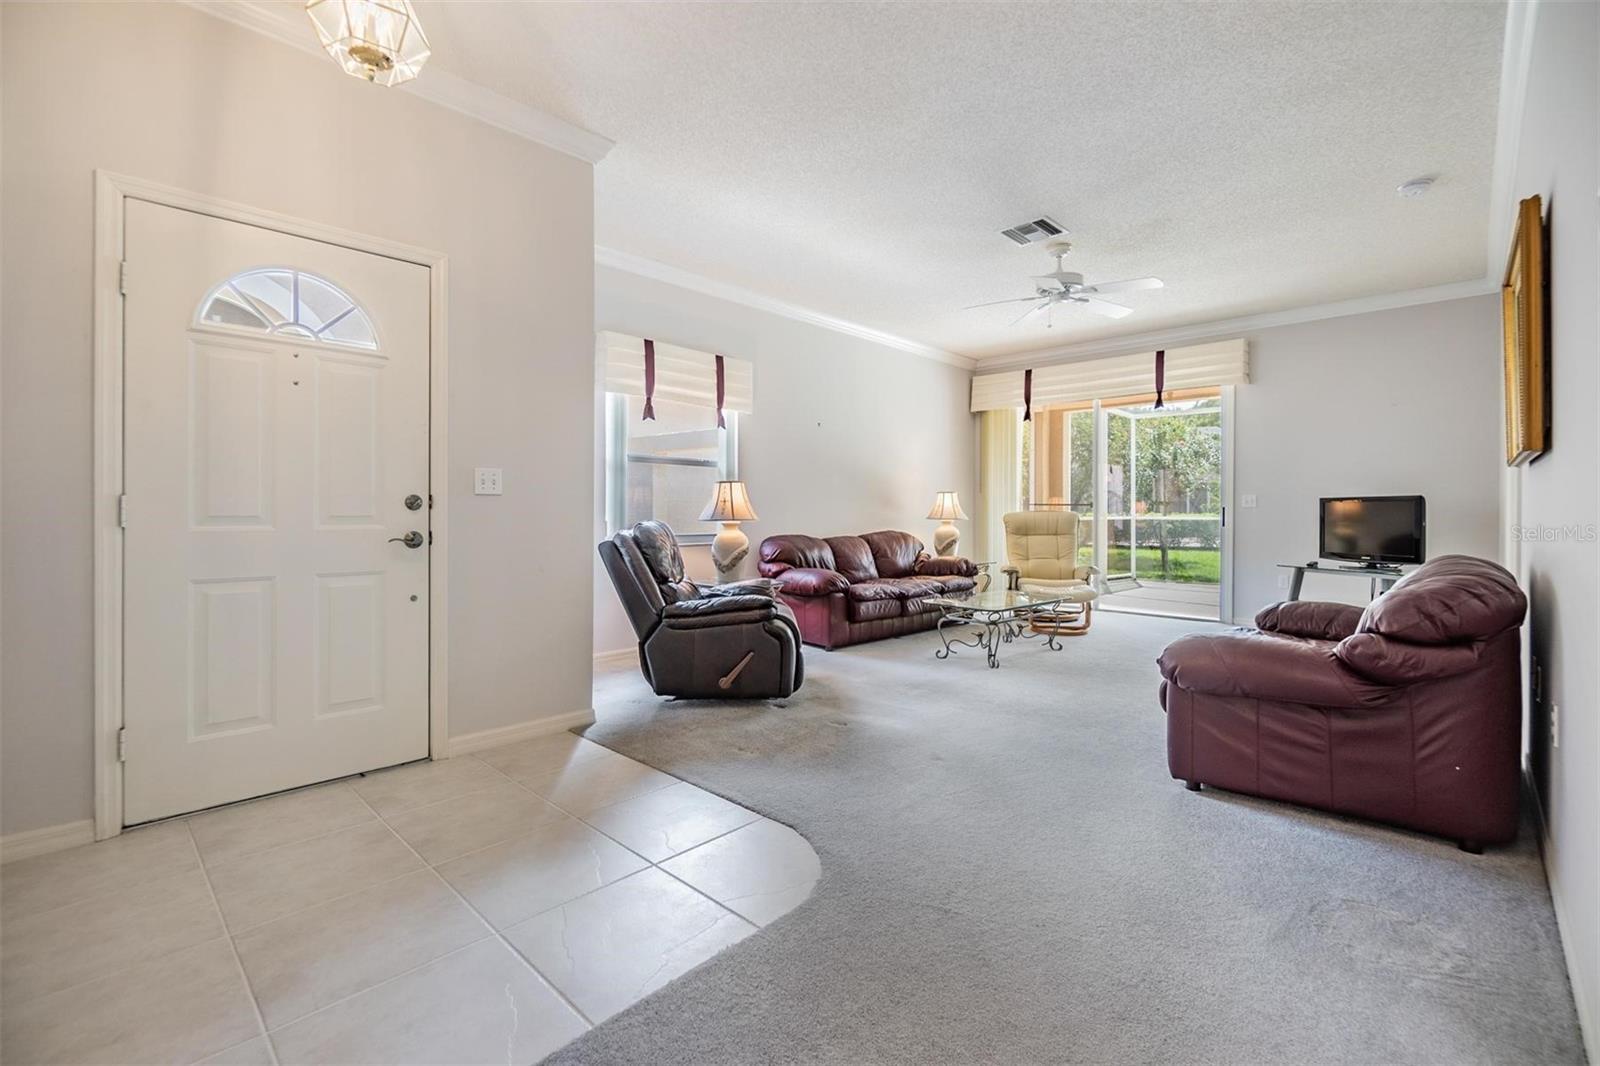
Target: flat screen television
1374,530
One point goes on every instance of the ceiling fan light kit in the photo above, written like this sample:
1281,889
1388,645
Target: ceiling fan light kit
1062,286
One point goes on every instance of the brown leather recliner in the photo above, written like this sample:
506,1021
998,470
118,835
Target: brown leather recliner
695,641
1408,712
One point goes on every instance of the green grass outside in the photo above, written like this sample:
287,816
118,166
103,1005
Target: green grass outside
1197,565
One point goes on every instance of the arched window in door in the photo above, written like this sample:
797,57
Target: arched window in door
289,302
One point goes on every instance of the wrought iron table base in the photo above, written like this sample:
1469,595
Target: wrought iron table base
993,629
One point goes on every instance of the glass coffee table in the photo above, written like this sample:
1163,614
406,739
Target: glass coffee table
1000,617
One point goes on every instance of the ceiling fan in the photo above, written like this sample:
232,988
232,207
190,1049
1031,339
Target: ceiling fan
1067,287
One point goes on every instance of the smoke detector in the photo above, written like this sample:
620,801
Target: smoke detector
1039,229
1415,187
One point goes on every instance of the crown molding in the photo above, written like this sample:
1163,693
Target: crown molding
436,86
1215,330
1516,62
684,279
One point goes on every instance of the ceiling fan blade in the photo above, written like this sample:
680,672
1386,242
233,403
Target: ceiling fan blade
1041,305
997,303
1104,307
1131,285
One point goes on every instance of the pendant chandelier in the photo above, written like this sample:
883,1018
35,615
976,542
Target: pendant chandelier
376,40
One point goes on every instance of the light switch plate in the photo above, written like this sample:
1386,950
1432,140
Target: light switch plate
486,481
1247,500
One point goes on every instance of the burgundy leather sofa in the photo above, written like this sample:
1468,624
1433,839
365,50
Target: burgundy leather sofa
846,590
1408,712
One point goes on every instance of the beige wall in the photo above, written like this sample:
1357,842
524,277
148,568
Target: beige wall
165,93
1559,159
847,436
1385,403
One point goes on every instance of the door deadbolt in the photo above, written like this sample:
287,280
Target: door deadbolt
413,502
412,539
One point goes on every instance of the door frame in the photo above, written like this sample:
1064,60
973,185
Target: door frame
111,191
1225,545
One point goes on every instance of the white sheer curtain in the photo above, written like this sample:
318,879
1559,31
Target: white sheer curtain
999,480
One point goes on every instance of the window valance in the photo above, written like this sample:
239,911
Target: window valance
683,375
1194,367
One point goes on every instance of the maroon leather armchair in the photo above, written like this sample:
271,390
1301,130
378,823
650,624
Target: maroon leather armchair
845,590
1408,712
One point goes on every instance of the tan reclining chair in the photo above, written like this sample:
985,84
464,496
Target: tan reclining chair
1042,556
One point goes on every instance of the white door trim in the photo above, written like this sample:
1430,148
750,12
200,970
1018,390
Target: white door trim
111,192
1225,589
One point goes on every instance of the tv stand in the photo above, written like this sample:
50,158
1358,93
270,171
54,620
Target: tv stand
1368,568
1381,579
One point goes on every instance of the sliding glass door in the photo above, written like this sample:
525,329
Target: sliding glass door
1148,483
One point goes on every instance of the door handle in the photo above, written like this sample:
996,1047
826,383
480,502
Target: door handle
410,540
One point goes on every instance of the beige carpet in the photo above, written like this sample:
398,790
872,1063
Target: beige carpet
1009,875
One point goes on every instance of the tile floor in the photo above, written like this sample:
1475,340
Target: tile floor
487,908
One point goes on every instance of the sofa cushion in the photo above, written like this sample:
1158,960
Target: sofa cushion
874,610
895,588
852,558
915,592
1448,599
1396,662
946,566
1309,618
807,581
957,584
1266,666
862,591
893,552
794,550
713,605
915,587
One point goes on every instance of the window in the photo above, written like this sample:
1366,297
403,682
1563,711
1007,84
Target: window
289,302
666,469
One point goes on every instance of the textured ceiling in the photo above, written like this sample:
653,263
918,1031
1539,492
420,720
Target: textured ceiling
859,158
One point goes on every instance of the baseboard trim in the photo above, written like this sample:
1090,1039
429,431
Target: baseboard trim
612,658
510,734
1586,1024
43,841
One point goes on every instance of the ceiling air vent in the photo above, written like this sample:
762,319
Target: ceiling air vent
1040,229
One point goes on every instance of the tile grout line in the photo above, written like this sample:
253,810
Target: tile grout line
233,949
494,932
332,1003
627,799
652,863
531,791
248,929
188,820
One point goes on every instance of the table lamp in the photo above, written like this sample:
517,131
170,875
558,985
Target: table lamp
946,508
730,505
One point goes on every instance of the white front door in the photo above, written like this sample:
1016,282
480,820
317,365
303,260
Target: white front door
275,423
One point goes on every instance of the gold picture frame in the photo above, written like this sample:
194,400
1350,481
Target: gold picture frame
1522,310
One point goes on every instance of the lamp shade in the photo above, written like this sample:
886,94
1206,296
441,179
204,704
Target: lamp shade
729,503
946,507
377,40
